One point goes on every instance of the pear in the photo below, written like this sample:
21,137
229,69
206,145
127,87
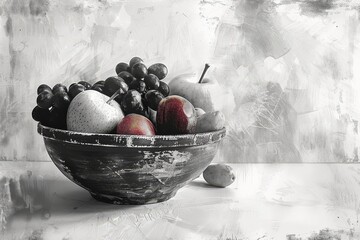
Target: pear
211,121
93,112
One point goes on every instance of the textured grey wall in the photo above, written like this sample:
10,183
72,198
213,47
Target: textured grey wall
289,66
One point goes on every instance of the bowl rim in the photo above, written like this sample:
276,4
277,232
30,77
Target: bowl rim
133,141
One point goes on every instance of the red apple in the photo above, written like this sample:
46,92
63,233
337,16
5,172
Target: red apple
135,124
175,115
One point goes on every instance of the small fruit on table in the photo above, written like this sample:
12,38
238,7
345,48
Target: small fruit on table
90,112
211,121
135,124
219,175
175,115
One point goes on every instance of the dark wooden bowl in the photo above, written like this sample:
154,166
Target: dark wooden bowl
130,169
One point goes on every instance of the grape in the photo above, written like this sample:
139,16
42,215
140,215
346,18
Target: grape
85,84
134,61
75,89
42,88
121,67
139,70
45,99
132,103
57,118
72,85
61,100
152,81
153,98
40,114
138,85
164,89
101,82
112,84
59,87
128,78
158,69
98,87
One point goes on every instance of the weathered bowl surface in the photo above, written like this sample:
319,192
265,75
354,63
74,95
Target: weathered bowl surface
129,169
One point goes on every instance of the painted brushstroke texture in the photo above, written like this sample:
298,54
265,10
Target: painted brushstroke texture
310,58
325,234
291,66
25,194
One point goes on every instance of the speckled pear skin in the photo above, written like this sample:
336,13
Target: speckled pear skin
129,169
88,111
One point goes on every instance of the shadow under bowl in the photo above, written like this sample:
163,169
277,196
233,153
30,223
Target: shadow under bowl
130,169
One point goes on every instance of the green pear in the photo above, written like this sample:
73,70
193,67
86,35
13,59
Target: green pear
211,121
91,112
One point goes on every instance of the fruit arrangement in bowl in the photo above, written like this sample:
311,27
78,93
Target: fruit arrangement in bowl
126,139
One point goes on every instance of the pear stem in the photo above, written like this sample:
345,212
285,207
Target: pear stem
117,93
204,71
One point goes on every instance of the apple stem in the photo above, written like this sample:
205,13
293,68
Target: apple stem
204,71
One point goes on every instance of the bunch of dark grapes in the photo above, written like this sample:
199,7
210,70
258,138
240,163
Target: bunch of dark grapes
137,87
53,103
144,84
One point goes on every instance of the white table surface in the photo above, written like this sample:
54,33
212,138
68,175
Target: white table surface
267,201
